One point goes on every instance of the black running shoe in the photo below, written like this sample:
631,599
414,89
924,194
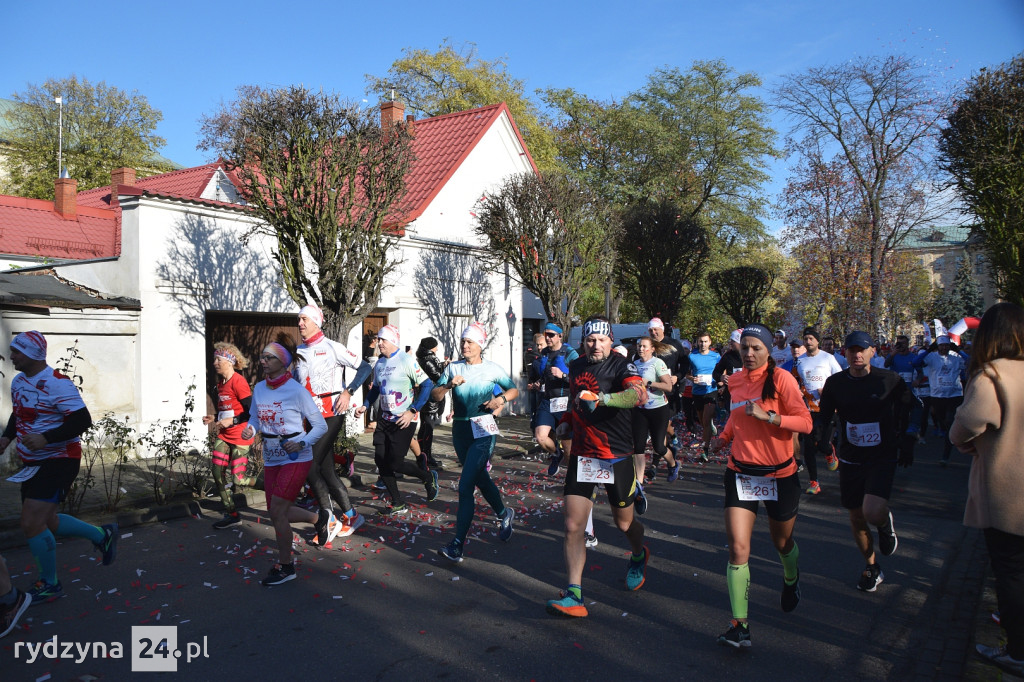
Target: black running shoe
323,525
280,573
737,635
871,578
228,521
887,540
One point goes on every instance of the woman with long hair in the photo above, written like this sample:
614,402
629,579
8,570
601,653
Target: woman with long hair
989,426
767,409
650,419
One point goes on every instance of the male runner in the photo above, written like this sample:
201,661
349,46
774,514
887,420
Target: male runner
946,375
553,368
705,392
812,369
47,419
870,402
605,389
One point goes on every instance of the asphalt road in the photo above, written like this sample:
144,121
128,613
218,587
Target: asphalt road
382,605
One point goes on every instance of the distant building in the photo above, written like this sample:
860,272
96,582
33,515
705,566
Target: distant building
941,251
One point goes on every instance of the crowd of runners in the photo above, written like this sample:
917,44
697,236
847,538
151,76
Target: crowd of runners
771,407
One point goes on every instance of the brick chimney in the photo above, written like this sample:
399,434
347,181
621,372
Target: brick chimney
65,195
391,114
122,176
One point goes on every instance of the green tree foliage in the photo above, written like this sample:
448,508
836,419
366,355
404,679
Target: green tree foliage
454,78
662,255
327,182
550,232
104,128
742,291
982,148
963,298
874,120
697,138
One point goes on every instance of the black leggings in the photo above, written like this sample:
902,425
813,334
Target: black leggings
322,477
425,435
654,422
390,446
943,411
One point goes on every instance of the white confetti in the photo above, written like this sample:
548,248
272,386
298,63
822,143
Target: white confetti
125,535
454,578
139,572
112,591
337,596
430,574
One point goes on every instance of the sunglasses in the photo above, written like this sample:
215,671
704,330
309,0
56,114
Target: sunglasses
550,335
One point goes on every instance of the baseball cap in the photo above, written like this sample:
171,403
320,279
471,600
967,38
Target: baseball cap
859,339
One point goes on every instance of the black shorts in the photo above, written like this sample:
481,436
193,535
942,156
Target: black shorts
873,477
699,401
782,509
53,480
620,493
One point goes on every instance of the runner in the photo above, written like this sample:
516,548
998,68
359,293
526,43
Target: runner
650,419
553,368
472,381
320,367
871,402
674,359
433,366
705,392
766,410
780,351
812,369
605,388
901,361
279,406
396,379
828,344
229,449
946,373
536,386
47,420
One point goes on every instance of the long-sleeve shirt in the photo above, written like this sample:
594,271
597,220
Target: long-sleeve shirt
757,442
280,411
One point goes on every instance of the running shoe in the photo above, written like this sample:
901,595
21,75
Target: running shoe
556,460
636,573
737,635
640,501
44,592
673,473
452,551
650,474
394,510
871,578
799,466
887,540
568,605
831,461
431,486
813,488
350,524
279,574
228,521
9,615
714,429
705,455
323,523
334,528
791,594
591,540
379,484
998,656
108,545
505,531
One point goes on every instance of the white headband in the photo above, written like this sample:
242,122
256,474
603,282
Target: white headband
476,333
313,312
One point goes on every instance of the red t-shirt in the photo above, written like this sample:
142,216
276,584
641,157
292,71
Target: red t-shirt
229,404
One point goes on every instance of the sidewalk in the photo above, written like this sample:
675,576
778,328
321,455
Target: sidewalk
934,601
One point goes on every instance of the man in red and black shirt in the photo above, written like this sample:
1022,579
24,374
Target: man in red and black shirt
604,388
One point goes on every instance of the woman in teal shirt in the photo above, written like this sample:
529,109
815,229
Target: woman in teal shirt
472,381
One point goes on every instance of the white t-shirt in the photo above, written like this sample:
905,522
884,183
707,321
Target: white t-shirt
281,411
944,374
320,369
781,355
814,370
40,404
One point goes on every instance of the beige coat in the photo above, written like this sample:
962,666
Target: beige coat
991,420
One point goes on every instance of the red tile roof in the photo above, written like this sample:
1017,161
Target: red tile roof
31,227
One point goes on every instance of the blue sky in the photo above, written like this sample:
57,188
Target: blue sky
187,56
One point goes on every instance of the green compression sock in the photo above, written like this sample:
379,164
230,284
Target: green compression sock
576,591
738,580
789,564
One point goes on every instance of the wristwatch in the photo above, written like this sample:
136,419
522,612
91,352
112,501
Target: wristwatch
772,414
302,444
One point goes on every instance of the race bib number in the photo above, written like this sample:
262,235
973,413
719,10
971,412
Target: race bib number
863,435
484,425
23,475
593,470
559,404
753,488
704,379
907,377
389,402
272,450
225,414
947,380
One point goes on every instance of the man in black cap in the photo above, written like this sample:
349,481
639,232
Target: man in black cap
871,402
